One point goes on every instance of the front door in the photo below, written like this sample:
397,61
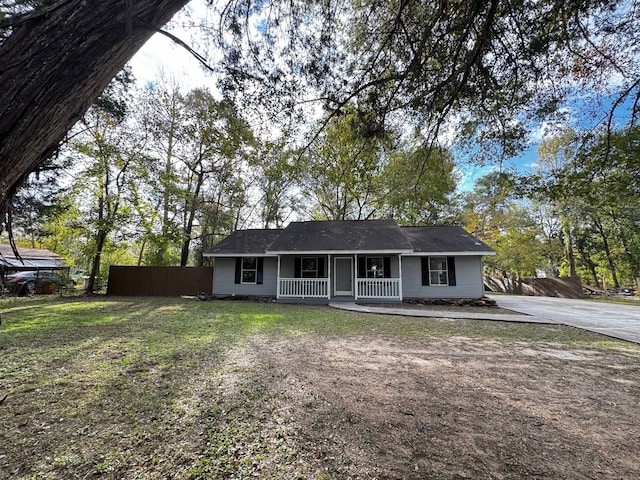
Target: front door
343,276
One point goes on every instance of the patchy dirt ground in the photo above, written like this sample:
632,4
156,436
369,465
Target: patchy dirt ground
257,396
455,408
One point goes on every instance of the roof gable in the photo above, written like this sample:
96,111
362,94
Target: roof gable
341,236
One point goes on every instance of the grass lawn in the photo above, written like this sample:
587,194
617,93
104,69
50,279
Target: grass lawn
148,388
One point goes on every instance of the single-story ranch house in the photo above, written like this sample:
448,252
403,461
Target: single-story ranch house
363,260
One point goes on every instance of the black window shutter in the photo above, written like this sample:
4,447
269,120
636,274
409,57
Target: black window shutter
238,269
320,267
260,270
297,268
425,270
451,267
362,267
387,267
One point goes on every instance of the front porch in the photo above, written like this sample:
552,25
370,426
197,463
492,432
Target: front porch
320,288
339,277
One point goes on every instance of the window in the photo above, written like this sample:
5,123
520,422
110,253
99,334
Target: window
375,267
438,272
309,267
249,270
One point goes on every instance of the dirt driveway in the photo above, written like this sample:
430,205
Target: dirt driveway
614,320
459,408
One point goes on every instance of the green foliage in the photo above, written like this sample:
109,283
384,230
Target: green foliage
278,170
419,182
343,176
354,173
591,180
493,69
506,223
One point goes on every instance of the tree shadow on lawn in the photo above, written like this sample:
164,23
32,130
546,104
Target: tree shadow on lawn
104,388
175,390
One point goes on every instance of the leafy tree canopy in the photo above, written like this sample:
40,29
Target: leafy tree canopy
493,69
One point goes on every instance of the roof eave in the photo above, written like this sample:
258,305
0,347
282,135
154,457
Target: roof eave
238,254
451,253
340,252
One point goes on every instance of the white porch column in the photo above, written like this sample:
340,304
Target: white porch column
400,276
329,283
278,279
355,278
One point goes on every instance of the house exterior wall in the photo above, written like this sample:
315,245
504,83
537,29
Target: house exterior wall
469,280
224,279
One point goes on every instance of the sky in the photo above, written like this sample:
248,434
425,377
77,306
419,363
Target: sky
162,55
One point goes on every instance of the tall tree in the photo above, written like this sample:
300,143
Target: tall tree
594,189
490,68
419,184
344,171
277,172
555,154
214,137
163,117
108,147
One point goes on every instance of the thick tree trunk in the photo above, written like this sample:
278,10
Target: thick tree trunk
607,251
568,245
55,64
188,227
95,264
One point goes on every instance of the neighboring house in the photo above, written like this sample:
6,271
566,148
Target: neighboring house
29,259
367,260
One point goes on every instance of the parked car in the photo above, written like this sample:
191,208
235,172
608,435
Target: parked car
33,281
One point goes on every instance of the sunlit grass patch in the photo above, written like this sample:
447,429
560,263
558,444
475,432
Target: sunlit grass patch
156,387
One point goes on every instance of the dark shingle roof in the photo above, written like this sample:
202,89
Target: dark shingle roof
341,235
244,242
370,236
444,239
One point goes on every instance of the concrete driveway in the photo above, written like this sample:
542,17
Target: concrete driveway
614,320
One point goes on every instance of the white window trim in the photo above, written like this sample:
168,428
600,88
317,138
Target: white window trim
439,271
254,270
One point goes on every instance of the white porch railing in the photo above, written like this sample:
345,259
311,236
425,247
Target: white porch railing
379,288
304,287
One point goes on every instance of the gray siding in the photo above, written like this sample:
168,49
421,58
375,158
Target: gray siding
224,279
469,281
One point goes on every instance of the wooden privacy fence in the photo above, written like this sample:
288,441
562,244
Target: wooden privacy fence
159,281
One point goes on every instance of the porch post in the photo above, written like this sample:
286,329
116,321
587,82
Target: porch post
355,279
400,275
328,276
278,279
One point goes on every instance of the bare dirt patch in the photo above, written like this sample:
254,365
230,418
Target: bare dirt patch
203,390
456,408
